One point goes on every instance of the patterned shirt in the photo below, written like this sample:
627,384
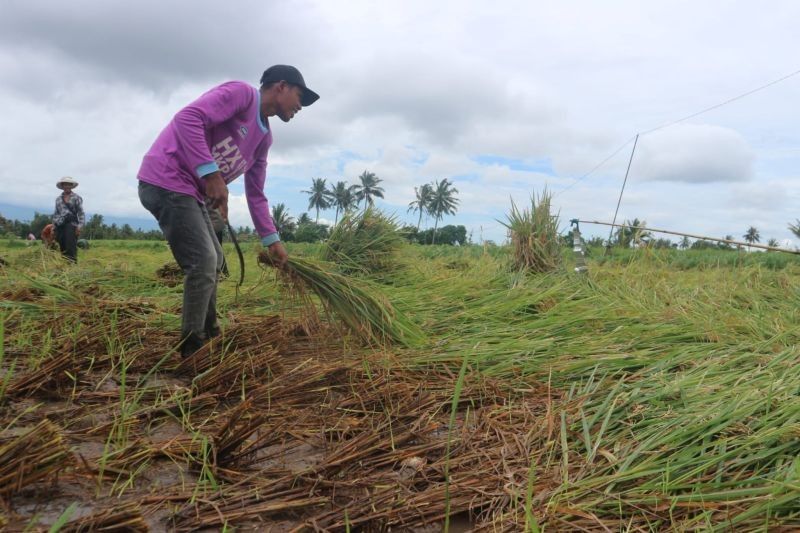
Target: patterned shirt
69,212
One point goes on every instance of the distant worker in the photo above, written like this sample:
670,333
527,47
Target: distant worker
223,134
68,218
49,236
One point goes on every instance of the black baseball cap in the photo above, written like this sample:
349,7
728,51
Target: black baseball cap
289,74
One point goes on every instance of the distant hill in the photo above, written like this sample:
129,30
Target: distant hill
25,213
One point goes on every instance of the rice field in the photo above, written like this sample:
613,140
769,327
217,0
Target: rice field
659,392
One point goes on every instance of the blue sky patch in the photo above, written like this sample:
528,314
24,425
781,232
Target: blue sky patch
543,165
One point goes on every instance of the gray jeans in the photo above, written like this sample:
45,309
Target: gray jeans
185,223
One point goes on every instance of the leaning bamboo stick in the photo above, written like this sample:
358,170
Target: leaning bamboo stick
728,241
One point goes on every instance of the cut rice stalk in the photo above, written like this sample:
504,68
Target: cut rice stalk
127,517
37,453
360,305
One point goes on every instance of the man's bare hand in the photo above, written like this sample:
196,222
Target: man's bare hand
278,254
217,193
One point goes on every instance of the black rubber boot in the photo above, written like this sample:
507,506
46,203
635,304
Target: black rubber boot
191,344
213,331
212,327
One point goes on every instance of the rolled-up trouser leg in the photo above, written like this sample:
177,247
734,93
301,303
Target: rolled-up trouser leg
185,223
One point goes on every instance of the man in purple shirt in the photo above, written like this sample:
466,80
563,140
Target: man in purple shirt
208,144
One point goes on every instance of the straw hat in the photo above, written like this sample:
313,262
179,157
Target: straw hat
66,180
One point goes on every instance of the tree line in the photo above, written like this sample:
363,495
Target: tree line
435,199
633,233
306,229
344,197
95,228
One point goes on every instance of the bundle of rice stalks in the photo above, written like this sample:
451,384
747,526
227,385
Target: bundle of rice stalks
47,376
361,306
127,517
534,235
170,274
31,455
364,242
233,372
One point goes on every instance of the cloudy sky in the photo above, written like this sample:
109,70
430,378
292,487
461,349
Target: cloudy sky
504,98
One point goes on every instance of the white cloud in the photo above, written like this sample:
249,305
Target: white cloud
693,154
764,196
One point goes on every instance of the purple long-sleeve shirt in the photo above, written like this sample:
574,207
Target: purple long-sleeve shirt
220,131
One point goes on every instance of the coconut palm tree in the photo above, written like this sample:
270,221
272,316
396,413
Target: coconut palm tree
281,218
343,198
423,199
443,202
319,195
726,245
624,235
368,188
685,243
632,232
795,228
641,236
752,235
773,243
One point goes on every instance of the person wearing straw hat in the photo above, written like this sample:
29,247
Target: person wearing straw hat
68,218
223,134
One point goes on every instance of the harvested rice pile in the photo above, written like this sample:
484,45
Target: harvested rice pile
534,235
365,242
170,274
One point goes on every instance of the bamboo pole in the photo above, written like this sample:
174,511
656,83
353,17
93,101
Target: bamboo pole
739,243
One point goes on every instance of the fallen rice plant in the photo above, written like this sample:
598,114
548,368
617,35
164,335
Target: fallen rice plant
640,398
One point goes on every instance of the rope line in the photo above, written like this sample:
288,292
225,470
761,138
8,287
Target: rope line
726,102
597,166
678,121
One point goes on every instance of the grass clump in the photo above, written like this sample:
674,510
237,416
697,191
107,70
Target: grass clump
534,235
364,242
